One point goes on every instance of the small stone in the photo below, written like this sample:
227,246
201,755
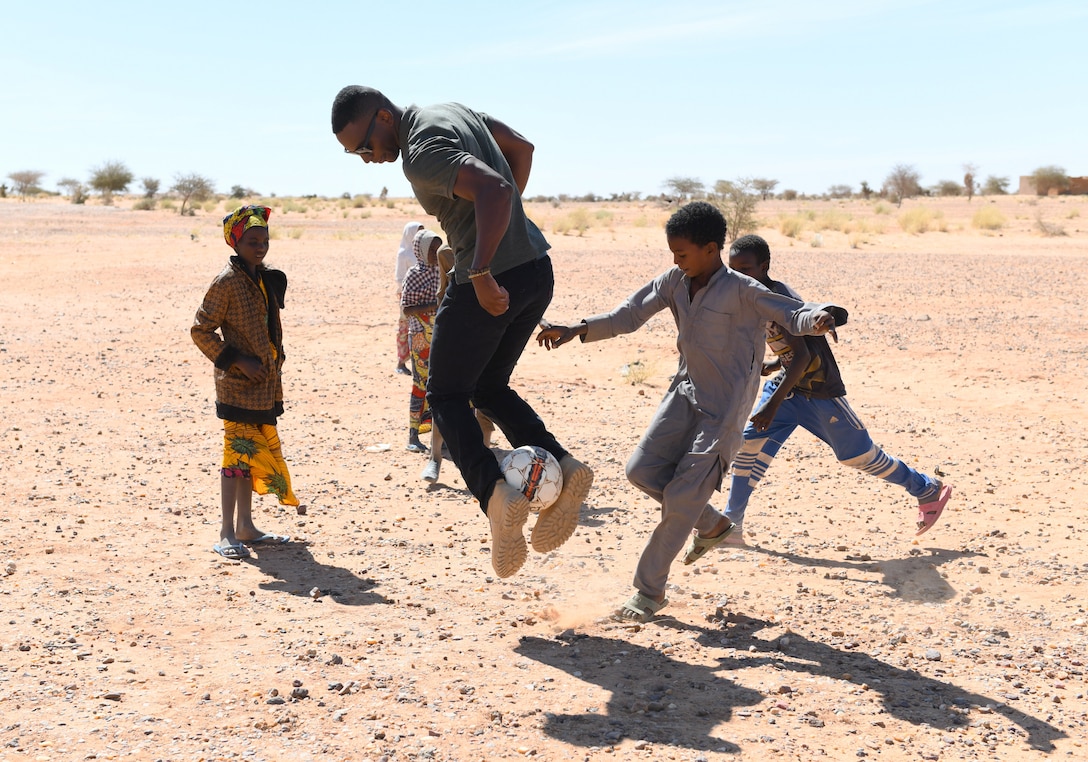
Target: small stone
785,689
112,696
276,700
932,654
315,593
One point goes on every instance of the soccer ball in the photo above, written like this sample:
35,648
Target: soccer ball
535,473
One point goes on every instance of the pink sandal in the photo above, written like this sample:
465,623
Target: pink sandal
930,512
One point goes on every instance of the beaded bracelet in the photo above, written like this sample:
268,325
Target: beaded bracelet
479,272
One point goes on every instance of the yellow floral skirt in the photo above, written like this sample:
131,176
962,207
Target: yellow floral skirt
253,450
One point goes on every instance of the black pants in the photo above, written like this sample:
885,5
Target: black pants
473,354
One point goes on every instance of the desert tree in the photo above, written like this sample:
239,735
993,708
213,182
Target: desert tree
685,188
789,194
947,188
191,187
764,187
25,181
969,171
76,190
112,177
865,190
151,186
737,201
840,191
995,186
1050,177
902,182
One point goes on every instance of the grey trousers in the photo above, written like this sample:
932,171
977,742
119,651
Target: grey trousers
683,489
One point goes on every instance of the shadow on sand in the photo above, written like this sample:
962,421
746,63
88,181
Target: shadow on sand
915,578
662,700
297,572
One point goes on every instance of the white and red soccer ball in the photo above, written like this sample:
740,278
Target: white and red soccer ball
535,473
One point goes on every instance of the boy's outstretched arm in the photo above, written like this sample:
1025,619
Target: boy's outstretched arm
552,335
763,417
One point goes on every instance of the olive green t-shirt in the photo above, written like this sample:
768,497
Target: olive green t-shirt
435,141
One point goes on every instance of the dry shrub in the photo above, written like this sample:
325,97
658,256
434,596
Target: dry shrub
637,372
791,226
916,221
988,218
574,221
882,208
832,220
1049,229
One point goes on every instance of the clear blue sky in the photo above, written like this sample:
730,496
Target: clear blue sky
618,95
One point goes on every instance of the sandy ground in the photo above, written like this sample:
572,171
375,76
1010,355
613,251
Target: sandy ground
380,632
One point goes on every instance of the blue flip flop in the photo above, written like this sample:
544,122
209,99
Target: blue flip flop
231,552
269,539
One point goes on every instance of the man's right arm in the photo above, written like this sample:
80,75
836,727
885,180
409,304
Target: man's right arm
517,150
491,196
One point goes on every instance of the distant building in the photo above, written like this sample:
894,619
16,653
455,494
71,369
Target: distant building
1078,186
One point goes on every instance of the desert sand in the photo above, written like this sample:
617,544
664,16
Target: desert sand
380,631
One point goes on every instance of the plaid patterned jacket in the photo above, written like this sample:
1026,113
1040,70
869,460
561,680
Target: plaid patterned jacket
247,326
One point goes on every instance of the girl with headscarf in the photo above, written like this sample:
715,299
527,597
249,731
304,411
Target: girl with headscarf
419,301
405,261
238,328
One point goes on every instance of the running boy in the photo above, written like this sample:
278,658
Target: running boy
807,391
243,304
697,428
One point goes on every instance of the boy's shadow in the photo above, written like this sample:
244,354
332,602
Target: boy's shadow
653,697
659,699
297,572
905,694
914,578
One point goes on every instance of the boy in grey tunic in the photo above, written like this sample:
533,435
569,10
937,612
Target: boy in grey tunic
720,317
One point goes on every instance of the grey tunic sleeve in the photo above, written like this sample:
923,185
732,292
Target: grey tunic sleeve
631,315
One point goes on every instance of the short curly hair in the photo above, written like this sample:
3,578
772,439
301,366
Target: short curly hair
698,222
354,102
751,244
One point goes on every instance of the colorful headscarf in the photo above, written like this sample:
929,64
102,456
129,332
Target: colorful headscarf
242,219
421,283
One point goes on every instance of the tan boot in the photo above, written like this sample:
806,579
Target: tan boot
507,511
557,523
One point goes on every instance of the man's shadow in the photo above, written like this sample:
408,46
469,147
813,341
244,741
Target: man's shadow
659,699
915,578
297,572
653,697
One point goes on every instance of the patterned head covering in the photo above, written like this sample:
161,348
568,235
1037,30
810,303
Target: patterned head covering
421,283
242,219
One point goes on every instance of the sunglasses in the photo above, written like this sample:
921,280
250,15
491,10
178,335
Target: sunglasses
363,149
